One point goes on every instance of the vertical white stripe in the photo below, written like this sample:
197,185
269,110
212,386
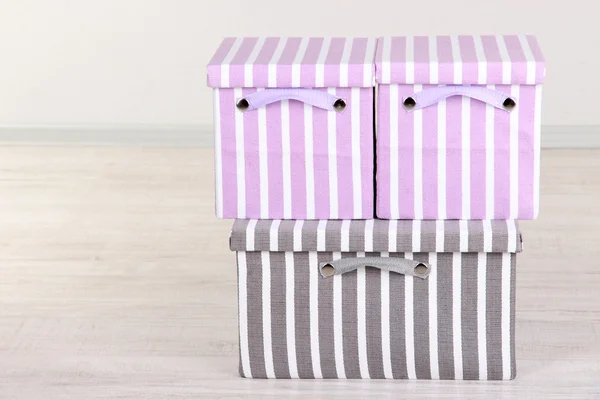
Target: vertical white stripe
506,65
409,323
441,159
263,156
309,161
487,236
416,236
418,161
298,235
511,231
506,332
386,349
376,93
348,42
457,314
249,64
320,64
393,236
439,236
410,61
530,60
481,315
286,159
274,235
225,79
386,66
250,235
272,66
243,313
338,322
361,321
266,313
514,155
239,158
355,111
490,116
369,234
394,138
466,158
314,313
457,60
368,79
332,157
296,64
321,237
463,228
481,60
290,315
345,235
218,155
537,121
433,318
433,61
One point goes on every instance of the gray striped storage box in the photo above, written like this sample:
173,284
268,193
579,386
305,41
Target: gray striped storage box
428,300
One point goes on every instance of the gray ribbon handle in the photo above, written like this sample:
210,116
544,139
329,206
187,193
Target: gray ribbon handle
393,264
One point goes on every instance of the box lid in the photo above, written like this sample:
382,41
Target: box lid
376,236
499,59
293,62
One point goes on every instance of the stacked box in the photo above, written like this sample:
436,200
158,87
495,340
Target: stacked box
382,250
458,134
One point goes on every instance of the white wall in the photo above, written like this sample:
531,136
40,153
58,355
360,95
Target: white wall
130,62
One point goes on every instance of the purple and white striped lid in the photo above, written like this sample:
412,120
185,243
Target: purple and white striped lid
499,59
293,62
377,235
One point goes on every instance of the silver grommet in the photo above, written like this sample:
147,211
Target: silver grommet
409,103
509,104
327,270
339,105
421,269
242,104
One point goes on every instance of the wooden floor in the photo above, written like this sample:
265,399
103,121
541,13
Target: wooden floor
116,282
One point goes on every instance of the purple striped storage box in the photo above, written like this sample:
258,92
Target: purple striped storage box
283,151
377,298
458,127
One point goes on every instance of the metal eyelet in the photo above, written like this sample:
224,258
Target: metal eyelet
509,104
339,105
421,269
328,270
242,104
409,103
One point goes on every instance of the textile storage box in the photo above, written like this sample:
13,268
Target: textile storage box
448,315
294,127
458,133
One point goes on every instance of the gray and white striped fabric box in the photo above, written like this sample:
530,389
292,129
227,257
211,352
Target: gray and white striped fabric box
376,298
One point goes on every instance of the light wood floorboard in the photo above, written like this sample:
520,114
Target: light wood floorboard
116,282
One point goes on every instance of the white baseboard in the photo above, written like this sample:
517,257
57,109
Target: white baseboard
571,136
553,136
105,135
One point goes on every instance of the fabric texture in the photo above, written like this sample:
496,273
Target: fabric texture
293,62
497,236
289,160
368,323
459,158
472,59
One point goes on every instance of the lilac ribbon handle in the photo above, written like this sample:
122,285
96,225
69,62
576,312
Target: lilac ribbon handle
316,98
428,97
